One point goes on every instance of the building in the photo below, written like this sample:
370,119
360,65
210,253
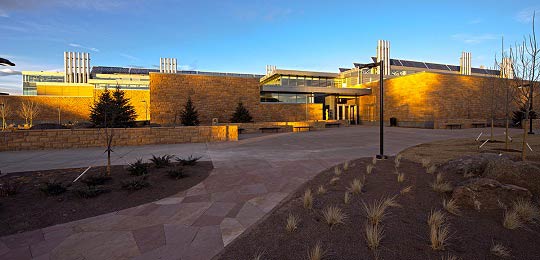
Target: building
414,90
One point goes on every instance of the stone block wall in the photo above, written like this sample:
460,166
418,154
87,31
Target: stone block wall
217,97
72,109
80,138
434,99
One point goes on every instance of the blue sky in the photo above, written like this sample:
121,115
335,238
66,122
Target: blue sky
244,36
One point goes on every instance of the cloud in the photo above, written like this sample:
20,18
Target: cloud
76,45
526,15
475,38
100,5
9,72
130,57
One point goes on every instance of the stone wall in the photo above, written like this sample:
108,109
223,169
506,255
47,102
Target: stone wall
217,97
79,138
72,109
286,126
432,100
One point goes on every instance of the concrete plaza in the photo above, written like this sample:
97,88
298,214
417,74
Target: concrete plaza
250,178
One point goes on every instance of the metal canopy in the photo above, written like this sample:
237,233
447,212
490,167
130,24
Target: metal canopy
317,90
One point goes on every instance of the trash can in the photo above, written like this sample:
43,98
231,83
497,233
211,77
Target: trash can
393,121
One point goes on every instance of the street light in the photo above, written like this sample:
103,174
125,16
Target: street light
3,116
381,98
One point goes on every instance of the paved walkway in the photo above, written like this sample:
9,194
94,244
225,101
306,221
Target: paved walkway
250,178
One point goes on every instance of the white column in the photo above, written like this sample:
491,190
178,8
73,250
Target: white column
65,67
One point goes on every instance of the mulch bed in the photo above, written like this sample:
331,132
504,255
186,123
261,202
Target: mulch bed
31,209
406,233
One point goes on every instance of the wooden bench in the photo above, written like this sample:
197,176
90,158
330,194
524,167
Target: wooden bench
241,130
477,125
303,128
270,129
453,126
328,125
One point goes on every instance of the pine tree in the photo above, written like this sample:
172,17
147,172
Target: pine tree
112,110
189,116
241,115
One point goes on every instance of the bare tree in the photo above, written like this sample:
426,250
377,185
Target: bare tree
109,136
29,110
525,65
5,112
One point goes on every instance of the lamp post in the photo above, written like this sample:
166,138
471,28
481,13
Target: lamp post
145,109
381,101
3,116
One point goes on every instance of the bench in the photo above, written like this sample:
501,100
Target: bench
241,130
328,125
301,128
269,129
453,126
477,125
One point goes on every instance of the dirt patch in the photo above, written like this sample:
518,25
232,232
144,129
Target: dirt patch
406,233
31,209
440,152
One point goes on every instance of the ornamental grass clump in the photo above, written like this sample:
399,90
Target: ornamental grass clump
356,186
292,223
333,215
308,199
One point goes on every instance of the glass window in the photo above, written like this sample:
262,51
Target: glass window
287,98
292,81
301,98
309,82
284,80
301,81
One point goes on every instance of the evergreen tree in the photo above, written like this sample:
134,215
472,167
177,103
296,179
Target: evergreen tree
112,110
189,116
241,115
520,115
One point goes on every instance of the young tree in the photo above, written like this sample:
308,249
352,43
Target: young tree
5,112
112,110
29,110
525,65
241,115
189,116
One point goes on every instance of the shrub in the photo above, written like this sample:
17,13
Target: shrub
190,161
161,161
53,188
135,184
176,173
94,180
241,115
8,188
138,168
90,192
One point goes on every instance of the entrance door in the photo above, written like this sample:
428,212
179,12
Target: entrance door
346,112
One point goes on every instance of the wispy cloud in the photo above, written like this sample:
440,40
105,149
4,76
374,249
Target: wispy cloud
526,14
475,38
76,45
129,57
100,5
9,72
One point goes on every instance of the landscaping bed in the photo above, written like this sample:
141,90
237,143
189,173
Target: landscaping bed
32,208
473,234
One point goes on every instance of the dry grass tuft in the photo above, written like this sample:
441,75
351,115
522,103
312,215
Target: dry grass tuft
369,168
426,162
334,181
436,218
356,186
317,252
431,169
346,165
440,185
258,256
406,190
321,190
400,177
334,215
526,211
439,236
397,160
374,235
500,250
375,212
337,171
449,257
451,207
374,161
511,219
308,199
347,197
391,202
292,223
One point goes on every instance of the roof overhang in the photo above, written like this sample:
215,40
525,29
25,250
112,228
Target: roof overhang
317,90
282,72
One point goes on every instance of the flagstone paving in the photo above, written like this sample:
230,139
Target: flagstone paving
250,178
